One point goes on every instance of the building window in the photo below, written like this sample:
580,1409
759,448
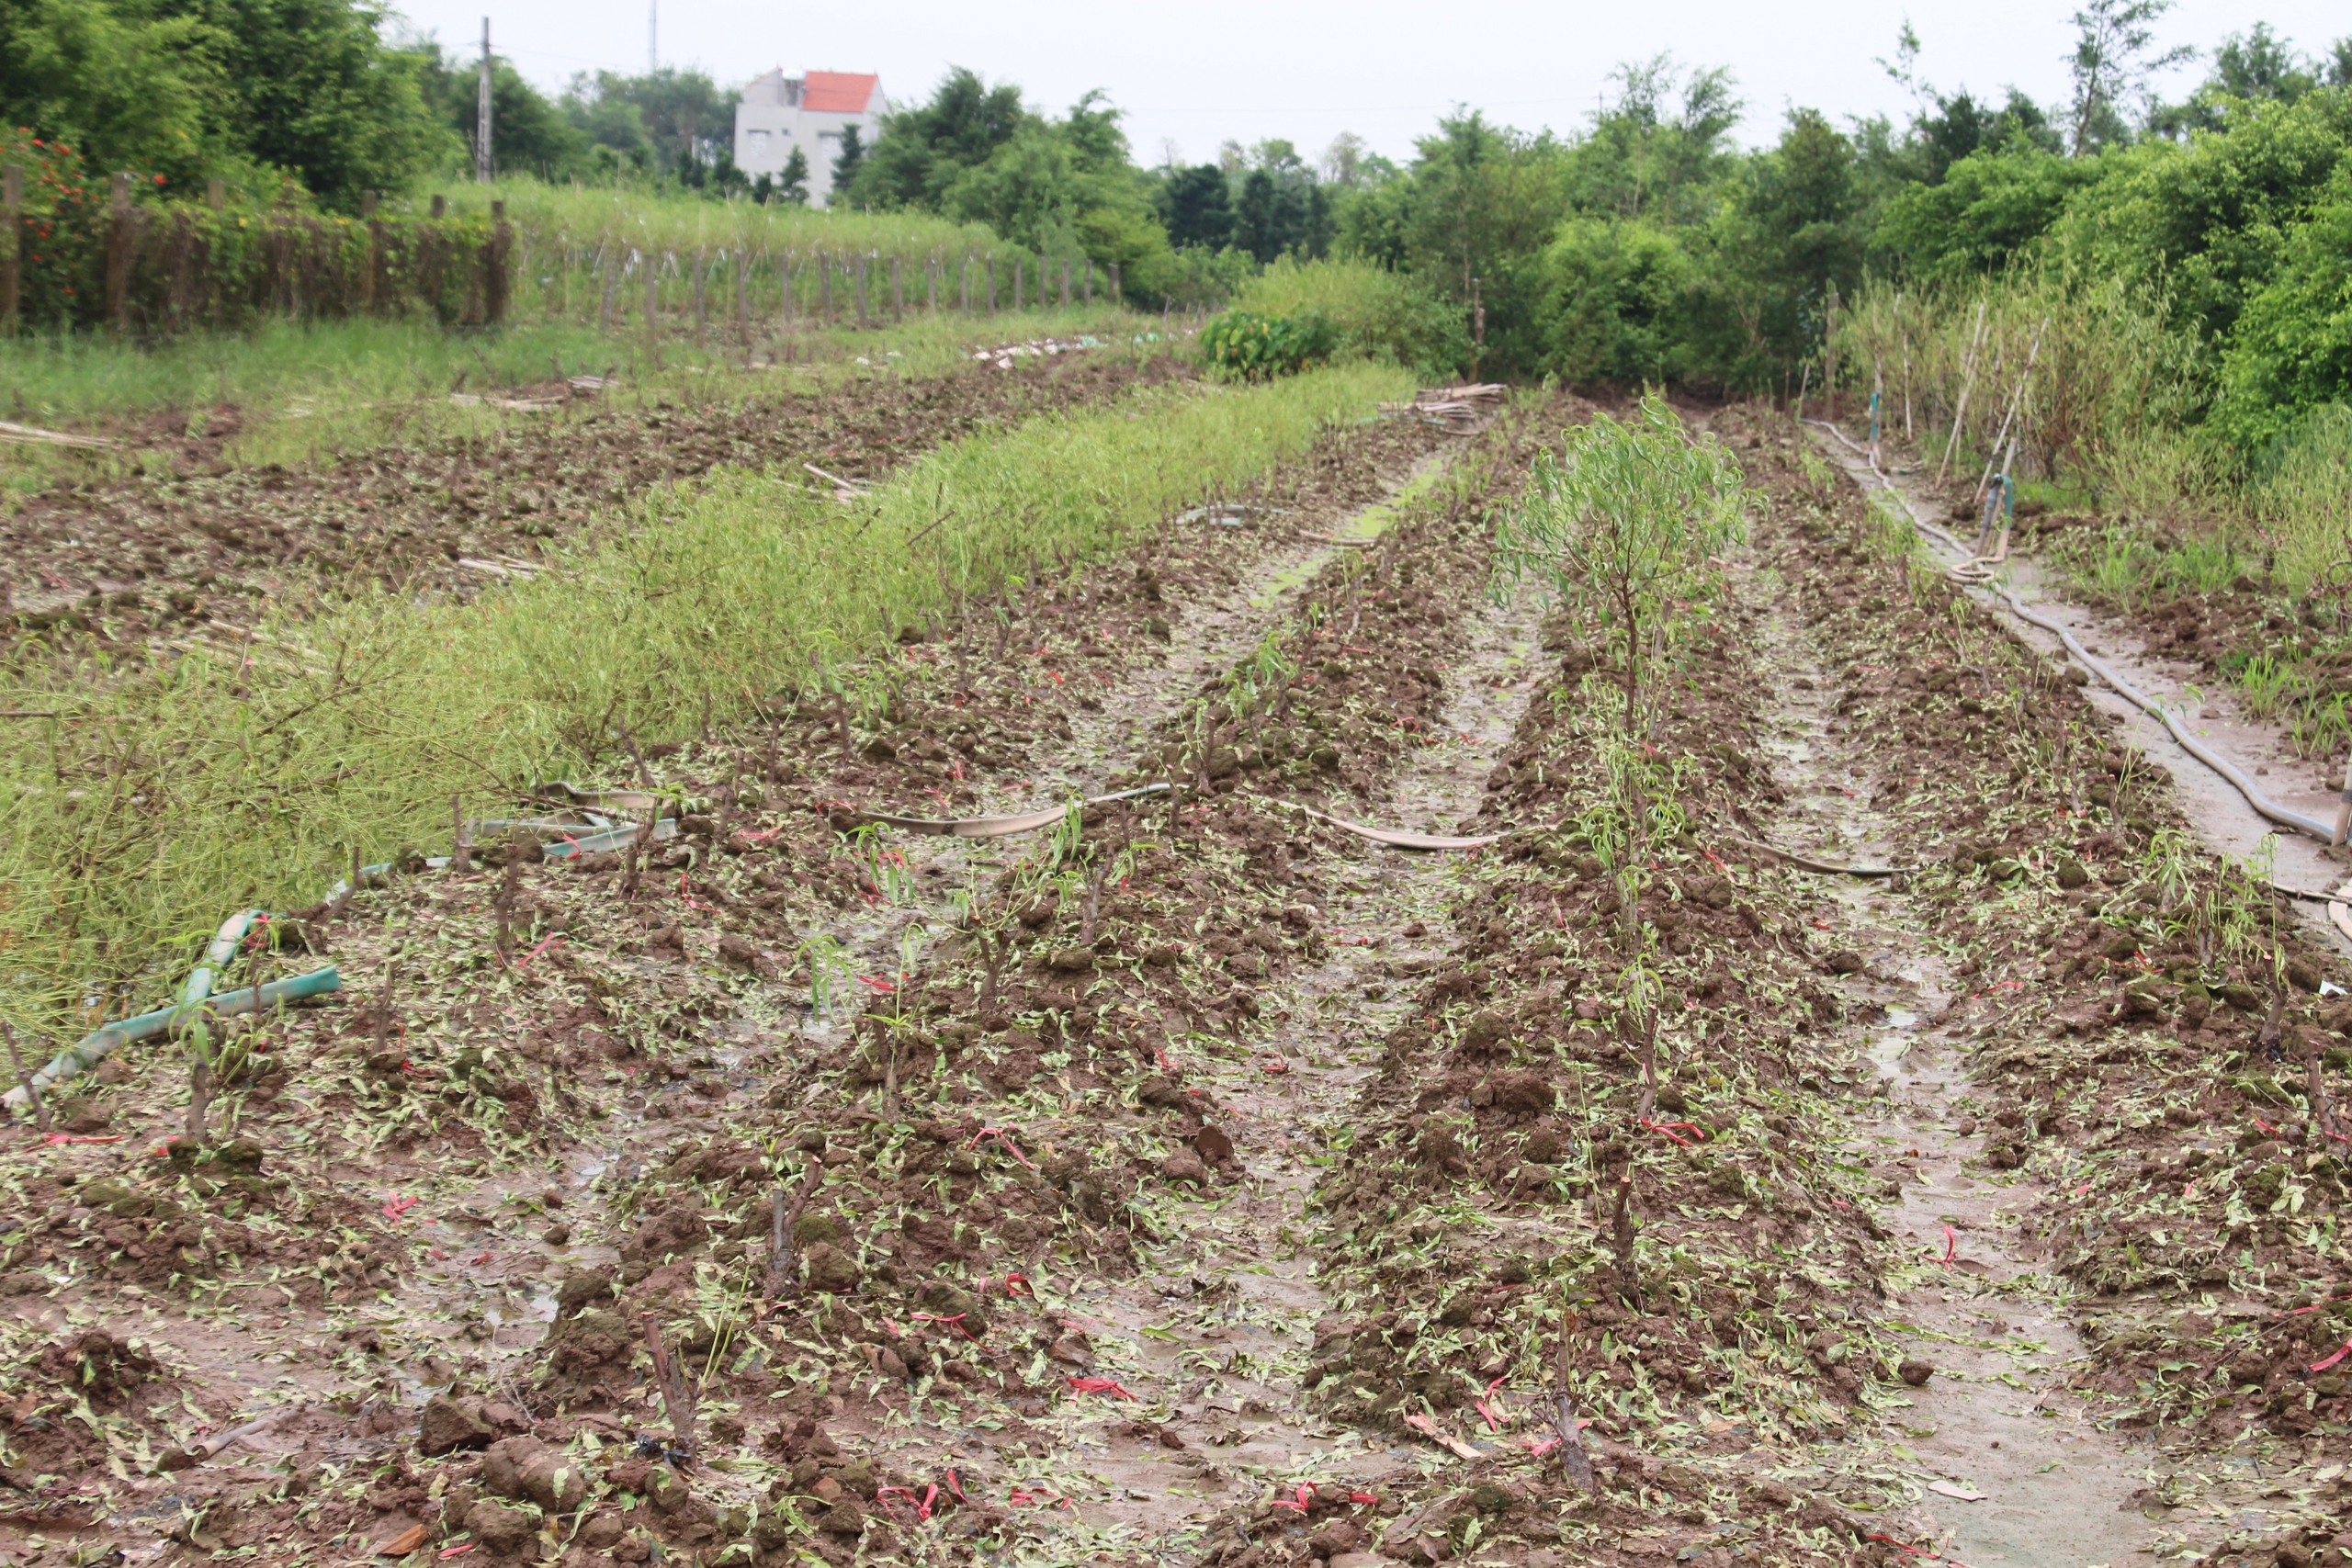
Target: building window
756,144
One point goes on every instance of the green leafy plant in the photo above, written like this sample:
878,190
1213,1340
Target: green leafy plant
1623,524
1251,347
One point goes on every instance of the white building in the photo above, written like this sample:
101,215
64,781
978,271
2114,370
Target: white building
779,113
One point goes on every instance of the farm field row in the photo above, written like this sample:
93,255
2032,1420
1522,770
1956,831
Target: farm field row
1192,1179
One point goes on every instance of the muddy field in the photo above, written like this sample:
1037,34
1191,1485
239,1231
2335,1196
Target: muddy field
1195,1181
192,548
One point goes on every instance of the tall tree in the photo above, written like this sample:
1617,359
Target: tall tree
529,134
923,151
306,89
1196,207
2114,59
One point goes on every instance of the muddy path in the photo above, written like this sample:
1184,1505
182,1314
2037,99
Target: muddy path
2000,1461
2148,651
2100,1071
172,552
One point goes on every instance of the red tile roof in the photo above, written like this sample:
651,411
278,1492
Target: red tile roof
838,92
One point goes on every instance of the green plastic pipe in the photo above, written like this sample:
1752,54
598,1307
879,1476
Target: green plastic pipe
72,1062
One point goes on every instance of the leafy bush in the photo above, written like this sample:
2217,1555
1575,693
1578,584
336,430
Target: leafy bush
1252,347
1620,301
1373,311
2292,350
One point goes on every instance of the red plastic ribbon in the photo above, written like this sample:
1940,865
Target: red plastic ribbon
1700,1133
1022,1281
49,1140
955,1487
1002,1136
1305,1498
923,1504
2323,1366
400,1206
1494,1422
525,961
1099,1385
1951,1246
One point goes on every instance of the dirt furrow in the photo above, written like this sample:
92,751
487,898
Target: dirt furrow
2003,1463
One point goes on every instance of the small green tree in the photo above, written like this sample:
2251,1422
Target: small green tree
792,184
852,153
1623,524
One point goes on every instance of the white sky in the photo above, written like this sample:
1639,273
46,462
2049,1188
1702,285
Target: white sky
1386,69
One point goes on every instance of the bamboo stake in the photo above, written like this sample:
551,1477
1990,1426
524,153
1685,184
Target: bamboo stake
2016,400
1967,381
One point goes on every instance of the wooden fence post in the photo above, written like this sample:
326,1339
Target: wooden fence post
1090,282
1114,283
1065,283
897,292
858,277
652,299
119,253
494,267
965,272
824,265
702,306
1017,269
742,298
611,285
784,276
367,274
991,285
1829,355
931,284
216,192
440,208
11,200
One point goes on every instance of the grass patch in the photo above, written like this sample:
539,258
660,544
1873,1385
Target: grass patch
170,791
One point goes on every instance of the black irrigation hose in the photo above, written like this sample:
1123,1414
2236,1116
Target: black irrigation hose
2324,831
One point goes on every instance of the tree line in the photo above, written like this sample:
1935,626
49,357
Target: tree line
1642,246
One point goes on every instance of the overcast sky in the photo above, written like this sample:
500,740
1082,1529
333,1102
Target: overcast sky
1307,69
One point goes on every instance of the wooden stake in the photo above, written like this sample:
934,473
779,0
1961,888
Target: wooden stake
784,1251
1829,356
677,1399
461,854
1967,380
2017,402
119,254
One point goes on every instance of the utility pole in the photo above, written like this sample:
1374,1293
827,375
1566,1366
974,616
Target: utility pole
485,166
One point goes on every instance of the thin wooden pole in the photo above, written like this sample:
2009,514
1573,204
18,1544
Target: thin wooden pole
1967,380
12,202
119,254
